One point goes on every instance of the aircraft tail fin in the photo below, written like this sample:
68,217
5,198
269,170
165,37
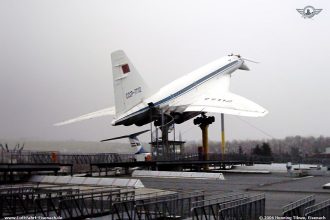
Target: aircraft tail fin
135,142
129,87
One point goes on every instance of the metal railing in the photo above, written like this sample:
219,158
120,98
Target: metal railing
156,206
208,209
319,210
30,157
90,205
168,208
64,201
226,206
21,200
88,158
247,209
297,208
218,200
126,209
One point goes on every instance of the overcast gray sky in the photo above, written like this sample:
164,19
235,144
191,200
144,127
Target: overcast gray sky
55,62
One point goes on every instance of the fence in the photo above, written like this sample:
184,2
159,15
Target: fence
319,210
237,206
297,208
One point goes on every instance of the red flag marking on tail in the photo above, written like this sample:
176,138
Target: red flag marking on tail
125,68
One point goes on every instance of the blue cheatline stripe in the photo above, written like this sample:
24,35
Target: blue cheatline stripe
186,89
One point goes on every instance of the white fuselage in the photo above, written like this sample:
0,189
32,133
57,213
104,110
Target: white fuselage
182,90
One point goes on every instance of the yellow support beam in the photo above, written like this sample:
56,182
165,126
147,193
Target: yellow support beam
204,123
223,141
205,137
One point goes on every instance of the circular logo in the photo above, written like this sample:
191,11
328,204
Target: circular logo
309,11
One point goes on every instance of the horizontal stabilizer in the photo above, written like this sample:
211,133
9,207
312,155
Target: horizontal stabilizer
126,136
134,141
100,113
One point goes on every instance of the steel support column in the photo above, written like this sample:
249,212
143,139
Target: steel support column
223,142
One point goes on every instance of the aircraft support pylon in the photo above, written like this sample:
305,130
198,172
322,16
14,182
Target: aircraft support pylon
223,142
204,122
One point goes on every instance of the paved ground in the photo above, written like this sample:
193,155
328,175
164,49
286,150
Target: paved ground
279,189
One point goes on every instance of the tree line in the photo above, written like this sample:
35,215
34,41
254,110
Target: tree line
292,145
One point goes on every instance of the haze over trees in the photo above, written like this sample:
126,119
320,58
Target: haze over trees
264,150
293,145
296,146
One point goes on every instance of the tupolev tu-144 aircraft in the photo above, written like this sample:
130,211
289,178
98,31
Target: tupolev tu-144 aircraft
205,90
